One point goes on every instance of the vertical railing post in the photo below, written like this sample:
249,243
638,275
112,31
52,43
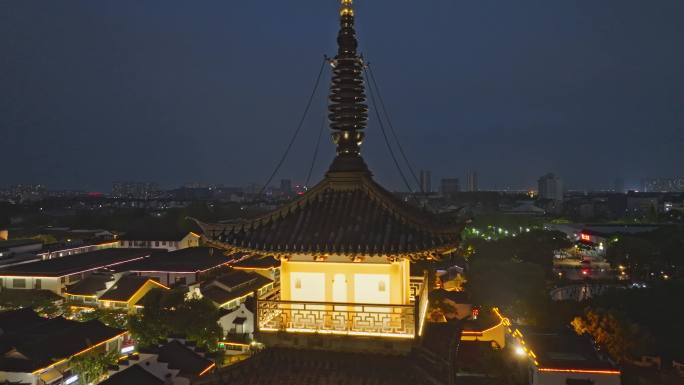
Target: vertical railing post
416,315
257,316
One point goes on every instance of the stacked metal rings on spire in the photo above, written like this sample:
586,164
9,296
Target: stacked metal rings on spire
348,113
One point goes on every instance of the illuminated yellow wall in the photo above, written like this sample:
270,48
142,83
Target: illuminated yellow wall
130,304
304,281
495,334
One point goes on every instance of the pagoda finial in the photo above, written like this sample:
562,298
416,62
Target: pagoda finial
348,113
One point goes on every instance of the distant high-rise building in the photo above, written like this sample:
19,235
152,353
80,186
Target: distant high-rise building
619,185
28,192
425,181
450,186
471,181
135,190
286,186
551,187
662,185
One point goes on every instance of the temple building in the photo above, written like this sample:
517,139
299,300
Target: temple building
346,245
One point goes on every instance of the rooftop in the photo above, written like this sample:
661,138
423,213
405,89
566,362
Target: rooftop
76,263
257,262
564,350
295,366
154,234
125,288
61,246
12,321
356,218
233,285
40,342
187,361
10,243
191,259
90,284
135,375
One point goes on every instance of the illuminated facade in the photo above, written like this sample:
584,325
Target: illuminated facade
346,245
167,241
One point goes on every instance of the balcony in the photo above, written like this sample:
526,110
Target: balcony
351,319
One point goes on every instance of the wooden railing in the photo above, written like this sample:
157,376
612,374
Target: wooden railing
383,320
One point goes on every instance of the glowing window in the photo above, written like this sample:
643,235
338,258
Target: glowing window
381,286
298,283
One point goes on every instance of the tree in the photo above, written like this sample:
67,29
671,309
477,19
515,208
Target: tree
43,302
149,326
517,287
165,313
198,320
613,332
110,317
91,366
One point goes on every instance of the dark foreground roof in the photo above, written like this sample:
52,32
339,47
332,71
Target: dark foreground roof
12,321
135,375
76,263
564,350
257,262
292,366
42,343
191,259
124,288
180,357
347,213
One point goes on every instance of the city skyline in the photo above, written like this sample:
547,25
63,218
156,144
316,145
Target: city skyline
97,93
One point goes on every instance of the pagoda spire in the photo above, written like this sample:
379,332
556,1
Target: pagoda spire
347,110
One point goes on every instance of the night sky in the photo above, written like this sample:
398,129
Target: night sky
210,91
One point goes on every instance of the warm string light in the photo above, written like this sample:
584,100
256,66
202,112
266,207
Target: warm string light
587,371
78,272
349,333
207,369
137,291
79,353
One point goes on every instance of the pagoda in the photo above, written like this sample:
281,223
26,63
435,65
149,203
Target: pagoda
346,245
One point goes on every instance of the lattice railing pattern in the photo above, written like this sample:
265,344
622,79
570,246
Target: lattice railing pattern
415,287
349,318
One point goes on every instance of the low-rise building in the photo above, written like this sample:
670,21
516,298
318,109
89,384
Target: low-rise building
39,351
268,266
86,291
232,289
12,247
134,375
237,324
127,291
179,267
560,358
56,274
160,239
111,291
60,250
172,363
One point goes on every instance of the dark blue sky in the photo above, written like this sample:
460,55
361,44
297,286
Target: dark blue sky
210,91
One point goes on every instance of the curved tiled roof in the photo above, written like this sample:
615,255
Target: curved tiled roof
347,213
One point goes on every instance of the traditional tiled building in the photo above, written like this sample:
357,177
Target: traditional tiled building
346,245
